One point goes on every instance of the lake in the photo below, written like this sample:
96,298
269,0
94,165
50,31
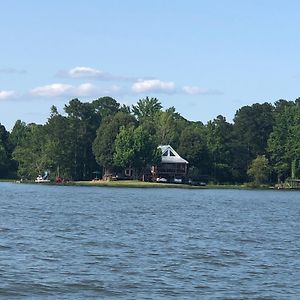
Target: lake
60,242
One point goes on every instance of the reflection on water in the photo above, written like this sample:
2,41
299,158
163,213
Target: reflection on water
79,243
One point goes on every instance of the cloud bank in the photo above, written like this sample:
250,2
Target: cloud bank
68,90
153,85
87,72
92,74
4,95
51,90
195,90
129,86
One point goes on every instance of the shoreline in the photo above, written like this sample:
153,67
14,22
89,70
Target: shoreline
153,185
140,184
135,184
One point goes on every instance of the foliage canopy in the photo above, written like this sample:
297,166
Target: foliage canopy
262,143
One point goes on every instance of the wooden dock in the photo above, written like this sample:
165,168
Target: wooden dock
292,183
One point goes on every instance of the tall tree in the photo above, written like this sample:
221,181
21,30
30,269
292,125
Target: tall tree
193,147
165,128
219,142
283,144
106,106
6,166
146,108
168,127
104,143
252,128
57,145
259,170
30,154
18,133
83,122
4,163
135,147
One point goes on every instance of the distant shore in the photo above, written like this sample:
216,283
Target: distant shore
136,184
141,184
144,184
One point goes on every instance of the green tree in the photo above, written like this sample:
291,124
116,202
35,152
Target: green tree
193,147
106,106
16,138
104,143
219,142
146,108
30,154
124,154
283,144
166,127
57,145
6,164
252,128
135,147
259,170
83,119
18,133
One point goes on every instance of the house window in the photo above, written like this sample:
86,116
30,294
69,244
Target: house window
171,153
128,172
165,153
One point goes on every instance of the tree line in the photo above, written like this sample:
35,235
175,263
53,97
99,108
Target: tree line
262,144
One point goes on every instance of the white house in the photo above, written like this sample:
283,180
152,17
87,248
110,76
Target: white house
172,167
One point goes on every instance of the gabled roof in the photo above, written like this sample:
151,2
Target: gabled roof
170,156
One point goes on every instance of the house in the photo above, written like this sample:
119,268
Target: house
172,168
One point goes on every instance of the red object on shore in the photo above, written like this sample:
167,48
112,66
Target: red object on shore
59,180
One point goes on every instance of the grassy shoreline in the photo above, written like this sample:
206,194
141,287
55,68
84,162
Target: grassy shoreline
134,184
137,184
141,184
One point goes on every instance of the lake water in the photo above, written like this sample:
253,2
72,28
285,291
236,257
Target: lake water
61,242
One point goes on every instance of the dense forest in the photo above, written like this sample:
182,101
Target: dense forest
261,145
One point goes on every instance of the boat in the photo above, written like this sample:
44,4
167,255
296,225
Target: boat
161,179
42,179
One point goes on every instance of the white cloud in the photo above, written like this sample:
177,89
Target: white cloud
52,90
195,90
84,89
88,89
91,73
4,95
153,85
67,90
87,72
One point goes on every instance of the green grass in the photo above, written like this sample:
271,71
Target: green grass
8,180
135,184
141,184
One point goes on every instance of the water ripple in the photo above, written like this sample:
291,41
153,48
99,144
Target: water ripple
105,243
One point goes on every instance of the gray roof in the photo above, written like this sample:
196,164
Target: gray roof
171,156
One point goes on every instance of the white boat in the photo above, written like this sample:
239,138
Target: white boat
42,179
161,179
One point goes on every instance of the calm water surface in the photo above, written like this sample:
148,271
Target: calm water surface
112,243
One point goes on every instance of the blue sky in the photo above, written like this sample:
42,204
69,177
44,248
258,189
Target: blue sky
204,57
